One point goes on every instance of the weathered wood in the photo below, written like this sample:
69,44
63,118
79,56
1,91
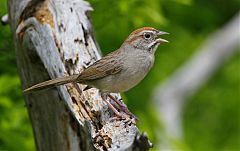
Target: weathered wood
54,38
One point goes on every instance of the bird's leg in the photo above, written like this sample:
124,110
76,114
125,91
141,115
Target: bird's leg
113,109
104,97
122,106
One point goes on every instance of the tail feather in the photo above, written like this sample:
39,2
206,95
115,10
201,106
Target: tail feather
51,83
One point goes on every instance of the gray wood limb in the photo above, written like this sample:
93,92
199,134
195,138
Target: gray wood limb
172,94
54,38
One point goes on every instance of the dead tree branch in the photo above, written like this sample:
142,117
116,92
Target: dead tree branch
54,38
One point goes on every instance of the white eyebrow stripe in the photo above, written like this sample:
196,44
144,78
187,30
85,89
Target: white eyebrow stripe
141,33
148,31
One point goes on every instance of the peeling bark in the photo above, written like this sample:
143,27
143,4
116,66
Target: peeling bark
55,39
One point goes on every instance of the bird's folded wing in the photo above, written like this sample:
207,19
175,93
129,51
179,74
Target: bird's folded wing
108,65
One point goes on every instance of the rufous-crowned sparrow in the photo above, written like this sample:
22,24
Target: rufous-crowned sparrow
120,70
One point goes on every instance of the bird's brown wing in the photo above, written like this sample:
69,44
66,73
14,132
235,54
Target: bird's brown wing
108,65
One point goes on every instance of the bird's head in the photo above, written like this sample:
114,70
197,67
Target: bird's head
146,38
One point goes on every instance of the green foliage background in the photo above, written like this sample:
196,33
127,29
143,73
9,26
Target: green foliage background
211,117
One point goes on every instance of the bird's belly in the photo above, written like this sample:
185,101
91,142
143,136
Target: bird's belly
117,83
123,81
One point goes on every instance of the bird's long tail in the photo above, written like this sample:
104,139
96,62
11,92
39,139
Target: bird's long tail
52,83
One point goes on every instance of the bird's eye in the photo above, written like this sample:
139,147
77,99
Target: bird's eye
147,36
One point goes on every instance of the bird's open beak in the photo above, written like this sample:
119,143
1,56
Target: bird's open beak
160,40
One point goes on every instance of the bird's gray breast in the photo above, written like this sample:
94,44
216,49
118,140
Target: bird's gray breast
139,67
135,68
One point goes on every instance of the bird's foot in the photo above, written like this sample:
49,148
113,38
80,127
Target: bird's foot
122,107
119,108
